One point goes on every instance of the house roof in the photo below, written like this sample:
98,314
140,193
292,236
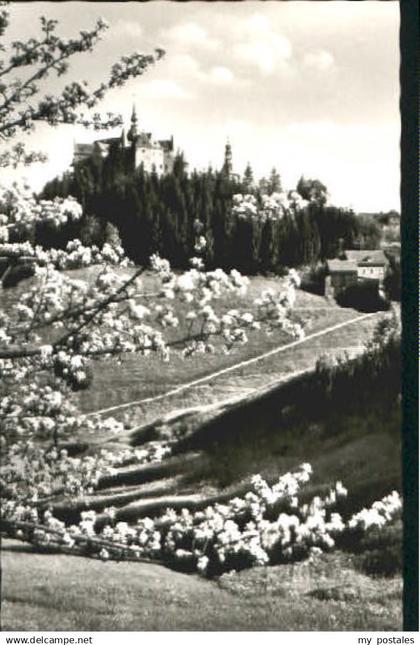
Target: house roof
83,148
367,257
167,144
341,266
109,140
102,146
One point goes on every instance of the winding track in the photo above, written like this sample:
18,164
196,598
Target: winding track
231,368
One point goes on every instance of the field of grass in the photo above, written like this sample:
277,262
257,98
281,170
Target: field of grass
136,377
58,593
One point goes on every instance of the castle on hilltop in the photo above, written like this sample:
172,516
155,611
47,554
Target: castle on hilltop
139,148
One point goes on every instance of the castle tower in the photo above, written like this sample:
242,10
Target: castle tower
227,166
133,134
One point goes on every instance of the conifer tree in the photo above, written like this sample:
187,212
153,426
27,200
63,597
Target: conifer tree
248,179
274,182
263,186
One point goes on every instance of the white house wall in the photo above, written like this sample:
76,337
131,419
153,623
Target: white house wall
374,273
150,157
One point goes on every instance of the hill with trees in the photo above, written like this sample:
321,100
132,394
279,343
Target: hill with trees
161,213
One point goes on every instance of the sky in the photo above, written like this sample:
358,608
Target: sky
310,88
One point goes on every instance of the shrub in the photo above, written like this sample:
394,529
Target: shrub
92,231
268,525
313,281
380,551
373,377
16,274
363,296
112,235
392,282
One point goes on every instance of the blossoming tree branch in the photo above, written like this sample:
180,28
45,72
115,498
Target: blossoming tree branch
26,65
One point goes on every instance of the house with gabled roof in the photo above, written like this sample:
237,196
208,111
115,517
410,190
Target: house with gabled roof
371,265
341,274
353,267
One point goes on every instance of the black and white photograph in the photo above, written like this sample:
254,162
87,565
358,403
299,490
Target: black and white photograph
200,317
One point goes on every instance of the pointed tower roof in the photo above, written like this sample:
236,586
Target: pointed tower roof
134,114
132,134
227,166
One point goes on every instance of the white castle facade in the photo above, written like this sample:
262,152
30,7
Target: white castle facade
139,146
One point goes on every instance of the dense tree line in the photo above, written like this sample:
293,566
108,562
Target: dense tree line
160,214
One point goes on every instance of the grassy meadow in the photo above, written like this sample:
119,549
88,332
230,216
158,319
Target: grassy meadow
136,377
338,591
59,593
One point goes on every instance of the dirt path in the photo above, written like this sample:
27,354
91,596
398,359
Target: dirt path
242,378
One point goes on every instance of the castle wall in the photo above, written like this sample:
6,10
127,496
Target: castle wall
150,157
138,149
168,162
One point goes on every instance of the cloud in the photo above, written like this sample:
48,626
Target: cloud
264,55
127,29
163,89
320,60
238,126
260,46
221,75
189,34
182,65
186,67
257,22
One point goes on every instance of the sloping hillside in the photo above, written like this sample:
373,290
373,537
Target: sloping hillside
243,421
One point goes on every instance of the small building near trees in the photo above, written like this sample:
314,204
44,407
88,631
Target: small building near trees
341,274
371,265
355,267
